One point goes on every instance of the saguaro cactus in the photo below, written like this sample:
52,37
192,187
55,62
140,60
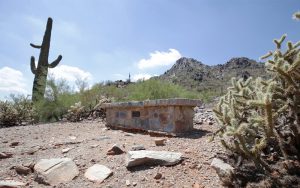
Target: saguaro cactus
41,71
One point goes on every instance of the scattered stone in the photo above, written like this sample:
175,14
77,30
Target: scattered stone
103,138
32,151
29,165
210,123
66,150
56,145
55,171
4,155
158,176
134,183
13,144
128,134
97,173
94,145
224,171
10,184
197,185
137,147
127,183
22,170
159,141
115,150
147,157
72,137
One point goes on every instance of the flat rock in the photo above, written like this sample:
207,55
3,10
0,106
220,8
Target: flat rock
10,184
137,147
100,138
224,171
160,141
147,157
55,171
97,173
4,155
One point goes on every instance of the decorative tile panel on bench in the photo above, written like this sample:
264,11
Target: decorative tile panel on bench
171,116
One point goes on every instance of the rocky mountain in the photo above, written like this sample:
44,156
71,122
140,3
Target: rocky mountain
193,74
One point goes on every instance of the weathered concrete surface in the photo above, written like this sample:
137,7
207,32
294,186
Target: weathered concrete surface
55,171
146,157
163,115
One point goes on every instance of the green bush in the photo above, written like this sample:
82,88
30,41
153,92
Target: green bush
156,89
57,100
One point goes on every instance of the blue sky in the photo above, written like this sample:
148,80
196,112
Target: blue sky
106,39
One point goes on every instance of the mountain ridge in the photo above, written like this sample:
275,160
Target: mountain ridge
195,75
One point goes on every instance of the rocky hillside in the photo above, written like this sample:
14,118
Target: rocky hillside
193,74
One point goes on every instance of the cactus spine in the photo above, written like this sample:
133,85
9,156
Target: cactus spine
41,71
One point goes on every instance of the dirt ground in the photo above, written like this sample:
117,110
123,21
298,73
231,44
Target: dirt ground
90,141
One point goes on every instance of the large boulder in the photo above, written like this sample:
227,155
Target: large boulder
146,157
224,171
55,171
97,173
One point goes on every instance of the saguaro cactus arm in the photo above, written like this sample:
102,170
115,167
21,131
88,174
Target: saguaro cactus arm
36,46
55,62
32,65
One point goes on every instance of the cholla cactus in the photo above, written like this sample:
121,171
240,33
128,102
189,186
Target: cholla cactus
296,16
255,113
20,111
75,113
8,114
98,111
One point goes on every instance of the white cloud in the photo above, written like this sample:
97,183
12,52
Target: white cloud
70,73
158,58
12,80
141,76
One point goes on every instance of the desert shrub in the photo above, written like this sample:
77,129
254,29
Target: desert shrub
17,111
156,89
260,119
75,112
78,112
57,100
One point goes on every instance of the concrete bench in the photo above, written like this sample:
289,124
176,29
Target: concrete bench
170,116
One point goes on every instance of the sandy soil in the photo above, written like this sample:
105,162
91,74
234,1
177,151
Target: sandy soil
90,141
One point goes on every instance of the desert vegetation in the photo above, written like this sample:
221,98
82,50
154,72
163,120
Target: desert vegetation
258,117
259,120
60,100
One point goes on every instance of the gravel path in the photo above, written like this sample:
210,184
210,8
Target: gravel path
89,142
